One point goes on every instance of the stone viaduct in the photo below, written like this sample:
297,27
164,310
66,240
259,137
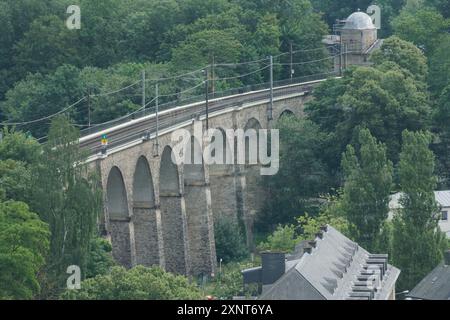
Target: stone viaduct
160,213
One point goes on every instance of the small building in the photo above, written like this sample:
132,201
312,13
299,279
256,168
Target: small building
330,267
443,200
436,285
355,38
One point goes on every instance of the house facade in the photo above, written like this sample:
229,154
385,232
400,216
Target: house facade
443,200
329,267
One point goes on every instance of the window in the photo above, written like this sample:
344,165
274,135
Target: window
444,215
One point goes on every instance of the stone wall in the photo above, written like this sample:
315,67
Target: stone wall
176,228
146,234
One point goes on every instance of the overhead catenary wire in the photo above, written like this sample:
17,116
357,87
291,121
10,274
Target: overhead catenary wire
176,76
243,75
115,91
306,62
43,118
170,78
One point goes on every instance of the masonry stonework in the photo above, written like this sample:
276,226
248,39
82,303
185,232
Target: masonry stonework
174,227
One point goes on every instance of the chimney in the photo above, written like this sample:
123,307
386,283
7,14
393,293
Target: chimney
312,243
273,266
307,250
324,228
319,234
447,258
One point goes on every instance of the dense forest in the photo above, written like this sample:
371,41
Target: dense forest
376,130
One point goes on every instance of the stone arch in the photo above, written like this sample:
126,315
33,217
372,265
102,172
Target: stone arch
251,131
225,154
169,178
222,182
198,204
119,218
172,220
251,198
286,113
144,212
194,170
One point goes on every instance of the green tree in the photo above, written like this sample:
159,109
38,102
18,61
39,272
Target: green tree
99,260
442,141
53,45
67,197
267,35
368,182
385,99
139,283
228,283
423,27
403,53
199,49
24,242
439,63
15,178
331,215
417,241
301,159
283,239
39,96
230,241
18,146
18,153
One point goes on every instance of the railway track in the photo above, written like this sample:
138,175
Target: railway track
133,129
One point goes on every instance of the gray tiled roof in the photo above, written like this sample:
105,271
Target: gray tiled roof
435,286
332,271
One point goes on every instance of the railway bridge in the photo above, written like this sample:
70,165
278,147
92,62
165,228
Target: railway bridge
158,212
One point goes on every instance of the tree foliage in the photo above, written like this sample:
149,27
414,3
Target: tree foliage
230,241
285,238
423,27
67,197
366,192
24,243
417,241
394,100
303,175
139,283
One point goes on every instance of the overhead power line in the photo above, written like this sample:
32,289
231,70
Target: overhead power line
43,118
172,78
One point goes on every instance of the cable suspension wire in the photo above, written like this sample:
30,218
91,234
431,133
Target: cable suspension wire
243,75
172,78
43,118
115,91
177,76
306,62
181,92
238,63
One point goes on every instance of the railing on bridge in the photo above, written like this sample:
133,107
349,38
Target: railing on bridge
222,94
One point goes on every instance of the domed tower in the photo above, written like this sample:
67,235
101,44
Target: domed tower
354,40
359,32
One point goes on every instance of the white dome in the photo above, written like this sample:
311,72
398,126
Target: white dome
359,21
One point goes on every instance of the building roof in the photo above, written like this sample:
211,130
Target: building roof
435,286
442,198
359,21
336,269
